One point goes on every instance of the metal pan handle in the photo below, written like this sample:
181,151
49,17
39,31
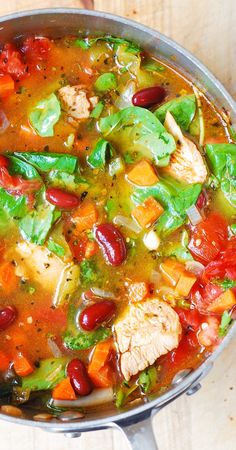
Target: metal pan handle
139,435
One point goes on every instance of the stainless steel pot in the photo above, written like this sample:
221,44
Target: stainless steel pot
135,421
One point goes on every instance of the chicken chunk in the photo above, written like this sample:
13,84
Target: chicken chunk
186,163
76,101
146,331
37,264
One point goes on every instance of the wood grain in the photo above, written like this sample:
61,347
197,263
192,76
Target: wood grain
206,420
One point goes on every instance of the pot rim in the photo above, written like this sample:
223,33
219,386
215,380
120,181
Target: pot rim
136,413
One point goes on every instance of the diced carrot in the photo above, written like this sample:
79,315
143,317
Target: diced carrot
4,361
185,283
22,365
91,249
99,356
143,174
147,213
8,278
171,271
7,85
85,216
225,301
103,378
64,391
138,291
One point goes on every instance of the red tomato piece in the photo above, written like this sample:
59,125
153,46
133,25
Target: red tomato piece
207,238
189,318
16,185
188,342
7,85
36,49
203,294
11,62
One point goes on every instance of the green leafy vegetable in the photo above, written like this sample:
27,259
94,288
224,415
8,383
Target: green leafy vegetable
48,375
36,224
226,320
87,43
182,108
70,182
153,66
55,248
148,379
111,207
88,272
124,392
175,198
225,284
45,115
139,130
84,340
44,162
105,82
19,167
13,206
103,150
97,110
222,160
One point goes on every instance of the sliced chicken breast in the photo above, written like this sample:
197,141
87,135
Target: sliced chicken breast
76,101
186,163
146,331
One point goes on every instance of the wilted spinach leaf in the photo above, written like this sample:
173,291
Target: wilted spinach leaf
182,108
103,150
138,130
44,162
45,115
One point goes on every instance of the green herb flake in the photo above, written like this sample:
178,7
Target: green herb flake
148,379
88,272
31,290
225,284
82,43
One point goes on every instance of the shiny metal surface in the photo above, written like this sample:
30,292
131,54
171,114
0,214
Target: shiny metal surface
55,23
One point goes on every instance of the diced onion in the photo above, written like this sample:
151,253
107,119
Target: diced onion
155,277
97,397
54,348
194,215
102,293
151,240
195,267
127,223
68,282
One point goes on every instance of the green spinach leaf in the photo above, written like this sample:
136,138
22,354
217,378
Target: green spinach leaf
56,248
101,153
222,161
87,43
226,320
139,130
182,108
84,340
70,182
20,167
49,374
45,115
13,206
44,162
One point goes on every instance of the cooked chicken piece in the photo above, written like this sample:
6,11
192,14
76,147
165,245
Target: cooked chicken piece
186,163
146,331
76,101
37,264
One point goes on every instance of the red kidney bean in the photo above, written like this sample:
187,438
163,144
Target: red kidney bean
4,162
7,316
79,378
149,96
96,314
112,243
61,198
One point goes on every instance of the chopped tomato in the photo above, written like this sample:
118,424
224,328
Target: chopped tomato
225,264
189,318
178,357
16,185
51,315
203,294
36,49
11,62
7,85
207,238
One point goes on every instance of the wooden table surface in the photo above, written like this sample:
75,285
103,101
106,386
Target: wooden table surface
207,420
